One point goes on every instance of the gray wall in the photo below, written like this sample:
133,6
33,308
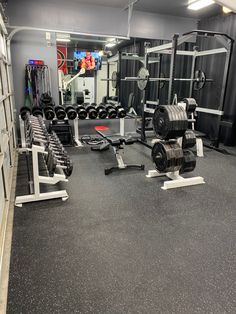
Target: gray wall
32,45
71,15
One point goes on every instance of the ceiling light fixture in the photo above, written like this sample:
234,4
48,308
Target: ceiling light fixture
63,37
64,40
110,44
200,4
226,10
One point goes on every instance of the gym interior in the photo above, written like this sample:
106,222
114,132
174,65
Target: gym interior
117,156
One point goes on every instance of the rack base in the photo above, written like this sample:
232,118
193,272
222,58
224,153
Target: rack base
177,180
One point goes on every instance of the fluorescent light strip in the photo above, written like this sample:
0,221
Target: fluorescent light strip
65,40
226,10
200,4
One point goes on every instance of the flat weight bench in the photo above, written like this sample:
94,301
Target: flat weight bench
117,142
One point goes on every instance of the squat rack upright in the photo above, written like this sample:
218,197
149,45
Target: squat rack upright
172,49
118,58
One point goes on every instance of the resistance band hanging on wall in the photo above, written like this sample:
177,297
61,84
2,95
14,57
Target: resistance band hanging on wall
37,83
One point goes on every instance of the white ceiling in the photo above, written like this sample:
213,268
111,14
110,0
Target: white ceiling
231,4
168,7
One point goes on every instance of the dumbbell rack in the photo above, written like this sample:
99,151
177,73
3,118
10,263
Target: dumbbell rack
35,150
37,179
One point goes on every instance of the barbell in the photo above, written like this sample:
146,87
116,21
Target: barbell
143,78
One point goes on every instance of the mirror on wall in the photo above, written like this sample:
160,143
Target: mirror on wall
85,62
82,68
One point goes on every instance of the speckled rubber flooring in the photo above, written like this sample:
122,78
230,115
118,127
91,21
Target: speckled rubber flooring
120,244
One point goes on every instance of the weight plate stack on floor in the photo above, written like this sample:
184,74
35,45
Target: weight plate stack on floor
168,156
189,139
189,161
170,121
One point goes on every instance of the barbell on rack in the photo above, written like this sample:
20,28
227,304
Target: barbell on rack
143,78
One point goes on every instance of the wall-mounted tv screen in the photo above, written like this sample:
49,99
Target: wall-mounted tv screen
87,60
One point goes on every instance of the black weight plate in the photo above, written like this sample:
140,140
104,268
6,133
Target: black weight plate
82,113
115,79
36,111
162,83
102,113
92,113
191,104
112,113
200,80
170,121
121,113
71,112
189,161
49,114
24,111
189,139
143,76
45,98
168,157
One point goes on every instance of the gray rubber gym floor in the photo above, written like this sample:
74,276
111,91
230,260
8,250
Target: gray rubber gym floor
120,244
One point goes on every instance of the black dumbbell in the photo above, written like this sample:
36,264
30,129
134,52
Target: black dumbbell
121,113
91,110
81,111
71,112
111,111
37,111
24,111
102,111
60,112
49,112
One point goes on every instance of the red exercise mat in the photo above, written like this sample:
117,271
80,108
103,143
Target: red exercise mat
101,128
